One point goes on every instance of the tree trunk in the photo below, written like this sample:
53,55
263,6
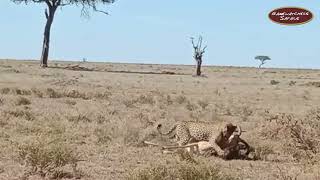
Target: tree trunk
46,37
262,63
199,67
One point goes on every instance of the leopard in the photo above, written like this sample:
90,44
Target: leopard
188,132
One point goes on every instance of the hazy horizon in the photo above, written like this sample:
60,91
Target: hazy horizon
159,33
141,63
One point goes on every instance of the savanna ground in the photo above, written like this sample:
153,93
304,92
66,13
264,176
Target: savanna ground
89,123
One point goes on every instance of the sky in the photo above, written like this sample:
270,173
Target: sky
158,32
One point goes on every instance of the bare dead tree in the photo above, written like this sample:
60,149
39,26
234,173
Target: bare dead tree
50,11
262,59
198,53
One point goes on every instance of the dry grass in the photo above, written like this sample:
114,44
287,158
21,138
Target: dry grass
103,135
46,158
53,93
181,171
79,118
262,152
146,99
169,100
314,83
18,113
300,136
191,107
103,118
22,101
71,102
15,91
181,99
274,82
1,101
203,104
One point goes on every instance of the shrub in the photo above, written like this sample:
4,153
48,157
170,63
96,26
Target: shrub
76,94
129,103
70,102
191,107
42,157
262,152
314,83
5,90
22,91
103,95
131,134
52,93
292,83
21,113
246,112
181,99
103,135
301,136
169,100
22,101
146,99
37,92
203,104
274,82
79,118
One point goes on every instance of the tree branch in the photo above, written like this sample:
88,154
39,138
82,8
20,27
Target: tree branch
194,46
46,13
48,3
200,42
86,5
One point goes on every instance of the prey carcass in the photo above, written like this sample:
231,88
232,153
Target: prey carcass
233,148
237,148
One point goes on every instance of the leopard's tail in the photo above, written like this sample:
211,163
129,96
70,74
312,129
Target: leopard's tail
168,133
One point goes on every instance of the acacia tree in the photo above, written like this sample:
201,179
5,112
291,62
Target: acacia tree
262,59
50,11
198,53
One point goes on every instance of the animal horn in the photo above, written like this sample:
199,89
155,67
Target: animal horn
239,130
